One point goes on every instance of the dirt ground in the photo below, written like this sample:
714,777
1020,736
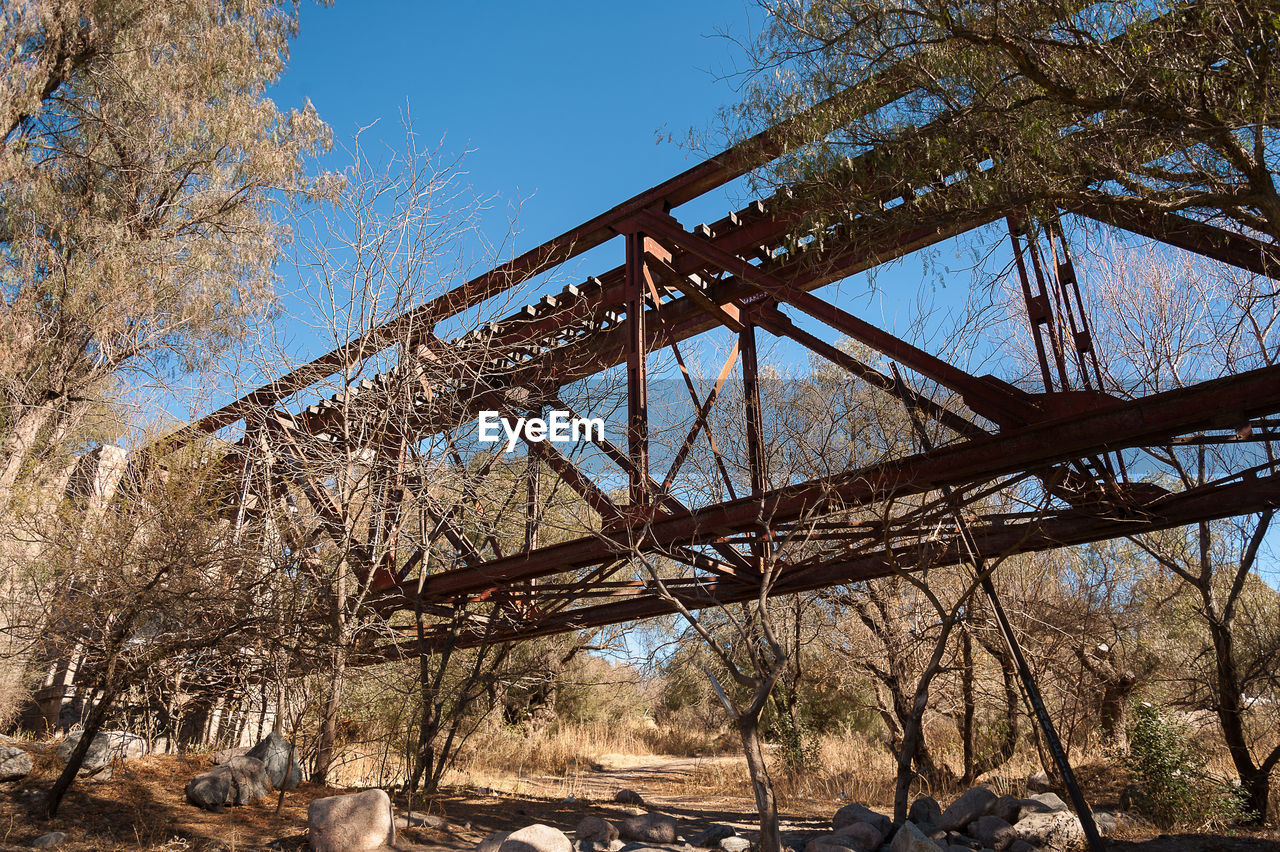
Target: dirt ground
142,808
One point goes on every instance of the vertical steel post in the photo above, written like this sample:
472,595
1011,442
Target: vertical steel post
637,392
756,460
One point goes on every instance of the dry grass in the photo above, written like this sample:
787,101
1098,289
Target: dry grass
564,749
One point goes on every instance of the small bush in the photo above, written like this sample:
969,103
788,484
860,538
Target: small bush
1168,765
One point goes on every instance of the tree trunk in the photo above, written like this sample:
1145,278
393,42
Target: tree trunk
93,724
327,741
19,442
967,728
766,805
1230,711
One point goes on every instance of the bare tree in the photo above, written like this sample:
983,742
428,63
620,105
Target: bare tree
182,586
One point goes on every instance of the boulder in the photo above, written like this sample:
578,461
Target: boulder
1006,807
993,832
855,812
221,757
909,838
1051,832
597,830
239,781
1106,821
1051,802
1021,845
275,752
106,747
925,811
628,797
711,838
865,836
973,803
1039,782
14,763
355,822
734,844
52,840
492,842
649,828
833,843
536,838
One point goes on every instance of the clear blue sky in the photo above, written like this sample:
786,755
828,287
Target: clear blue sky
561,104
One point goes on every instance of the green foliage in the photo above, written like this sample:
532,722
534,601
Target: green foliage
1169,766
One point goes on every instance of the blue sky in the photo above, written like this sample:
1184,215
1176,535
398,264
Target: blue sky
561,105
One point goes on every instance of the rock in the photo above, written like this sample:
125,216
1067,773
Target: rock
239,781
909,838
628,797
1052,802
536,838
994,832
352,823
865,836
275,751
221,757
734,844
14,763
52,840
1020,845
597,830
925,811
492,842
1039,782
1051,832
1106,822
711,838
106,747
855,812
834,843
649,828
1006,807
974,803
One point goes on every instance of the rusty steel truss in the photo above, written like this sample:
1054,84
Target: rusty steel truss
749,274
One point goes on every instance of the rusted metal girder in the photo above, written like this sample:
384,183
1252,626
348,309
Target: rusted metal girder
1230,401
996,539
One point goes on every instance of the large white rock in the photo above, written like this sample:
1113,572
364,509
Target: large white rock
1051,832
537,838
355,822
